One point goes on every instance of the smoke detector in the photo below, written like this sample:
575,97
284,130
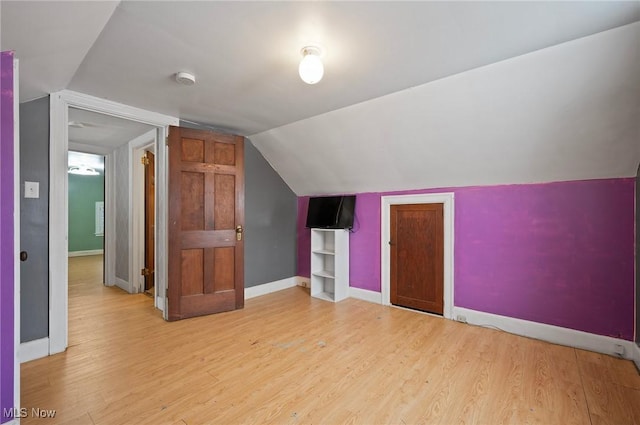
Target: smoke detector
185,78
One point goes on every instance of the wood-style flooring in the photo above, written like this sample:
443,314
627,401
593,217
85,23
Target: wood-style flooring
289,359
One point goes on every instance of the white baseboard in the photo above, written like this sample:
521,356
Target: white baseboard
365,295
123,284
84,253
549,333
32,350
635,350
267,288
303,281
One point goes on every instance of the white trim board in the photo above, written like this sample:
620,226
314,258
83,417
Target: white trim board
123,284
635,350
447,199
86,253
32,350
109,259
268,288
365,295
548,333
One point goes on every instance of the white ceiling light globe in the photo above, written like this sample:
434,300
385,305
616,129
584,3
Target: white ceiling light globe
311,69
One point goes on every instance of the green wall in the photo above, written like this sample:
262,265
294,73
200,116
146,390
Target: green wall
84,192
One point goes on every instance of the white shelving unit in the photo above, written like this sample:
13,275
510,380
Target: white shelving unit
330,264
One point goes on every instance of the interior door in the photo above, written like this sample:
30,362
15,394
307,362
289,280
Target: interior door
206,215
149,220
417,256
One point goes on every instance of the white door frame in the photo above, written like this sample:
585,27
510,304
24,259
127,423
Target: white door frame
385,231
136,208
109,219
58,208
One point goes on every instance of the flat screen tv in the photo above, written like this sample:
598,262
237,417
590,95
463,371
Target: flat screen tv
331,212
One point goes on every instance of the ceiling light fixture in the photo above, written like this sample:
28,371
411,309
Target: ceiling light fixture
311,68
83,170
185,78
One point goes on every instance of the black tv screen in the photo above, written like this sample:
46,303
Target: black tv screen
331,212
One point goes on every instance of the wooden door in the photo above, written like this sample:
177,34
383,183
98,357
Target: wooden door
149,220
417,253
206,215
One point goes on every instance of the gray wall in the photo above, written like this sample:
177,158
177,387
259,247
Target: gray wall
121,156
271,210
34,220
638,256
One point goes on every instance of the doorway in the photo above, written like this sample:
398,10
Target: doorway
447,201
60,103
149,220
86,176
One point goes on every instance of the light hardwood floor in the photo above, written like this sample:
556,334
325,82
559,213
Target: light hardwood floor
289,359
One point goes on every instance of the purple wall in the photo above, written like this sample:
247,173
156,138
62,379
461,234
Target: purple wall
6,233
556,253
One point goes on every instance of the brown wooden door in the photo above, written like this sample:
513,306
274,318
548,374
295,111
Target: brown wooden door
417,269
206,211
149,220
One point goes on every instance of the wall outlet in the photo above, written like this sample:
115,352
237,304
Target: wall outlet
460,318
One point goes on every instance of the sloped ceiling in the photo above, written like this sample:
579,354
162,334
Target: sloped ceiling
403,79
51,39
567,112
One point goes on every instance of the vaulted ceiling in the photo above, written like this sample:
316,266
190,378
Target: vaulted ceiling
415,94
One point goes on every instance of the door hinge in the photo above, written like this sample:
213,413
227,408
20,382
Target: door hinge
144,159
166,140
145,272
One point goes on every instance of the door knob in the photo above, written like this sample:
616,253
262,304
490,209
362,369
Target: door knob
23,255
239,231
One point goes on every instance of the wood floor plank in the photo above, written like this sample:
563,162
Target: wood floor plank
293,359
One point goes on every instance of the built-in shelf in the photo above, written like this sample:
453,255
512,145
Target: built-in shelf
330,264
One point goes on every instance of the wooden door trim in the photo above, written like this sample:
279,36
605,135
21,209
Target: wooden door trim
447,199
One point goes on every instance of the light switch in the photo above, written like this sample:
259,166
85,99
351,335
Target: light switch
31,189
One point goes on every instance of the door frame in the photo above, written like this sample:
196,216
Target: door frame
58,198
108,243
447,199
137,148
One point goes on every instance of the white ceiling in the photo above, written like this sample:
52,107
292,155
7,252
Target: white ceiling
245,56
51,39
90,129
